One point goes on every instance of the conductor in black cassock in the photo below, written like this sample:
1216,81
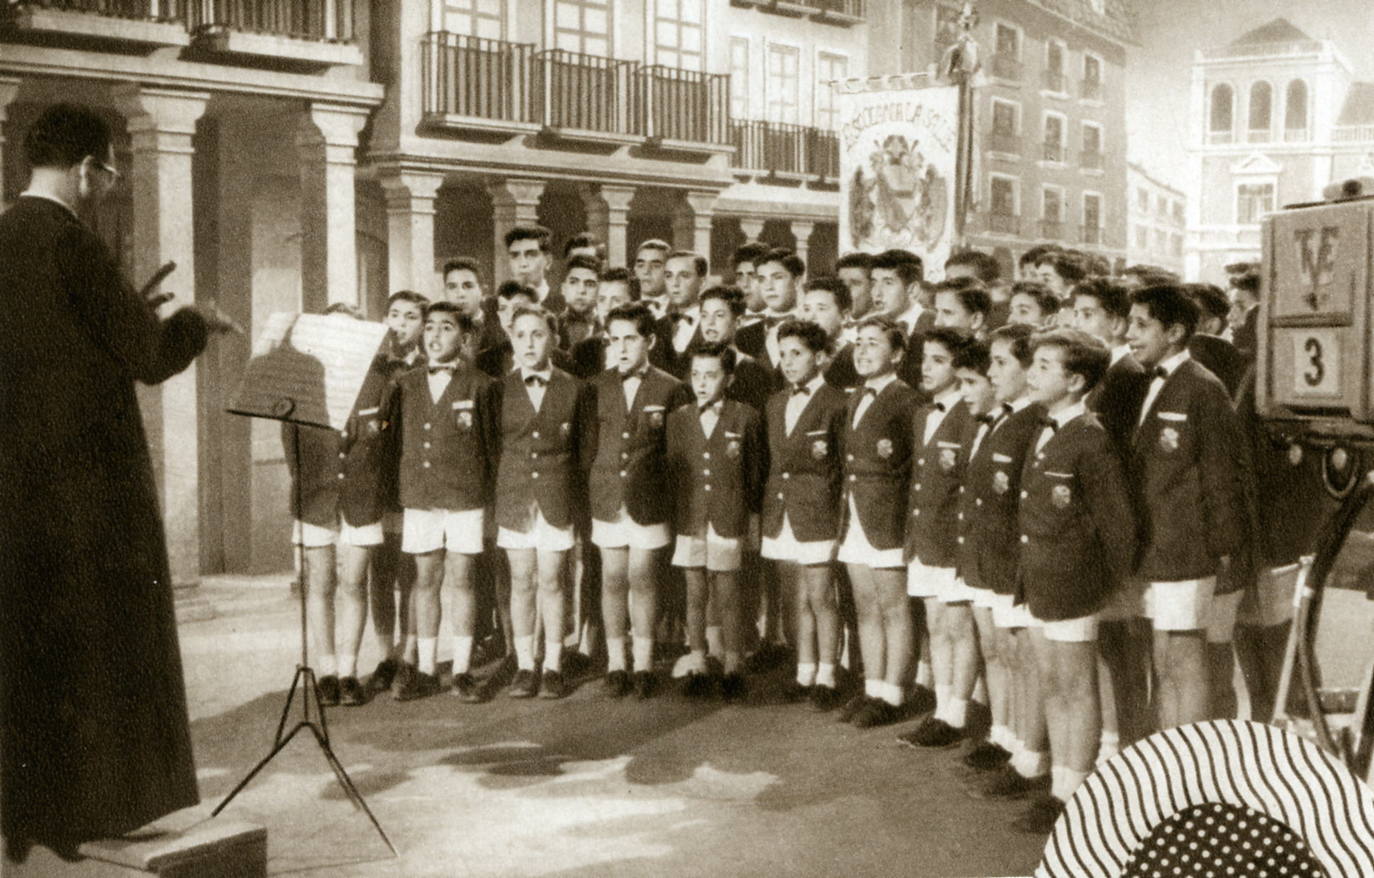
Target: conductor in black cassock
96,740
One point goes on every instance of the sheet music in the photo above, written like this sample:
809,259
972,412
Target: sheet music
308,368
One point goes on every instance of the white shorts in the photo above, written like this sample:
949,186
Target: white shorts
313,536
786,547
1221,622
984,598
856,549
626,533
1006,614
941,583
1270,602
1182,605
541,536
457,530
712,551
1126,603
1080,630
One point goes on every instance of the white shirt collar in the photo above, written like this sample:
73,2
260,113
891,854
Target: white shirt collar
1118,352
949,399
880,383
1171,364
1061,418
815,383
1021,402
542,291
46,197
909,317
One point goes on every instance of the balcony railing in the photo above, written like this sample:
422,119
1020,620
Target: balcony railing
471,76
1053,80
142,10
1296,135
785,150
1053,152
586,92
1052,229
1006,67
1090,234
1221,136
1295,47
1001,141
1091,160
1091,90
1004,223
684,105
1260,135
1353,133
299,19
840,11
823,153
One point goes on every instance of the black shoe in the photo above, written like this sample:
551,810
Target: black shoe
852,707
525,685
351,692
421,685
933,733
644,684
576,664
405,678
876,713
1040,815
468,689
1007,783
552,685
329,690
824,698
618,684
921,700
383,676
767,657
733,688
794,692
986,756
698,685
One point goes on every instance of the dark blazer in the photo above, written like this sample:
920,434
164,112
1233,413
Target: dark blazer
753,339
753,383
346,472
909,369
1246,338
588,357
717,480
573,329
877,464
1117,398
539,451
989,532
1077,527
1221,358
624,450
664,355
841,373
1188,478
938,471
498,361
804,466
446,447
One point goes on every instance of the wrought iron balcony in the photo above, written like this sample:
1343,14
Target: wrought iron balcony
1006,67
478,83
841,12
315,33
577,92
128,23
785,151
684,106
823,154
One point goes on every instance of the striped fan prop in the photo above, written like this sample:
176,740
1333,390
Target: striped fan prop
1243,764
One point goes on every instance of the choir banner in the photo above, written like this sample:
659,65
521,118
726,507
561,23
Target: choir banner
898,159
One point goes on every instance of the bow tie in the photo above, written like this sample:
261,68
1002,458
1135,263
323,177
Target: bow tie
1159,372
798,389
939,406
771,320
711,407
679,316
1049,423
442,367
536,380
626,376
869,391
986,419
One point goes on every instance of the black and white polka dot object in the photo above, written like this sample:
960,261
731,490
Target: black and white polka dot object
1275,781
1222,841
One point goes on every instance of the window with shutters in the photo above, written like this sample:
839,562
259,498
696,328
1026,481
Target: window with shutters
782,83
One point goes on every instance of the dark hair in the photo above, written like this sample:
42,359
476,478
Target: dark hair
716,351
698,261
1111,295
1018,337
1168,304
464,263
835,287
732,296
585,239
1098,265
1210,300
542,313
949,337
344,308
64,134
975,355
1045,299
972,297
407,296
808,332
509,289
590,263
1070,265
654,244
1083,354
1037,253
1241,267
749,253
1247,282
984,265
637,313
616,274
465,324
862,261
896,335
786,258
534,232
906,264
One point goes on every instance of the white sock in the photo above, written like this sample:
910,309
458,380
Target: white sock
553,655
1057,783
941,699
1030,763
957,712
715,644
348,666
524,652
980,690
1017,745
462,654
615,653
1070,780
428,654
326,665
825,675
806,674
998,735
643,649
873,688
892,694
1108,746
730,661
408,650
924,675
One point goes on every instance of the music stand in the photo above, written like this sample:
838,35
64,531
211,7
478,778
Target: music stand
307,372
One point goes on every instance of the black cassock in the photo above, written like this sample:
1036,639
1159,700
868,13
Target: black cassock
96,739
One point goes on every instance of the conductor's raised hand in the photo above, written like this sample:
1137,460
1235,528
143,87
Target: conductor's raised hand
217,321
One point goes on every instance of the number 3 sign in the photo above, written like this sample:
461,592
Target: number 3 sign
1316,363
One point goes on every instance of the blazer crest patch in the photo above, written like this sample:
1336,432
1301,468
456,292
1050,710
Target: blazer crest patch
1061,496
565,429
1168,439
819,449
884,448
948,457
1001,482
